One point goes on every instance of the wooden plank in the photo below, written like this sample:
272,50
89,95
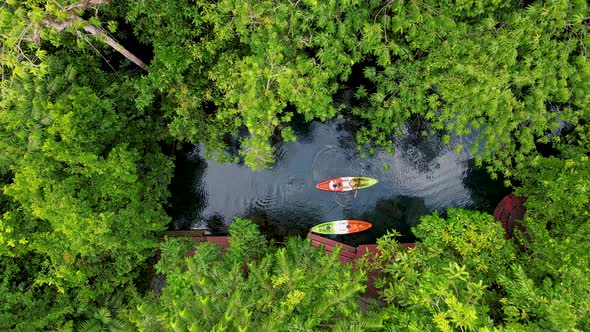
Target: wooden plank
346,260
316,243
199,239
344,253
329,249
362,249
330,242
223,241
187,233
372,248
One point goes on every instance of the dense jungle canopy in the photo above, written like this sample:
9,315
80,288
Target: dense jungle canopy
92,90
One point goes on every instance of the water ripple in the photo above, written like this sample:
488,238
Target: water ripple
279,153
291,186
344,199
265,201
284,200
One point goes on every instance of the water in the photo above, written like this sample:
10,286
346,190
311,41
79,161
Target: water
422,176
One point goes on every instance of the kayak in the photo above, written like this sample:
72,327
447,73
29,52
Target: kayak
346,183
341,227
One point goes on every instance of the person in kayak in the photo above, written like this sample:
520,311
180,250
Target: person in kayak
345,185
350,185
334,185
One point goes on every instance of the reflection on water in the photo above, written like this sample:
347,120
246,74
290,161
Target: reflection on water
422,176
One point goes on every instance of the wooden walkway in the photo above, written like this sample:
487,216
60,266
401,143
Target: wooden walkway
509,211
198,235
348,253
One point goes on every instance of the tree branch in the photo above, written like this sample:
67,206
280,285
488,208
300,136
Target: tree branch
91,29
99,32
61,25
85,4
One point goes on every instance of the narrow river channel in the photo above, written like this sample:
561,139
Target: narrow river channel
422,176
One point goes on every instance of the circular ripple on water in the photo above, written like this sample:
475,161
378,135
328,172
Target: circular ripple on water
344,199
279,154
329,162
265,201
291,186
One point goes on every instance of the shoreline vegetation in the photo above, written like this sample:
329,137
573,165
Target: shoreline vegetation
91,90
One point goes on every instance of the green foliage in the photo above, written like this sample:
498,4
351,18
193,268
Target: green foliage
83,179
84,189
507,73
448,281
474,239
229,64
102,320
24,305
557,228
102,316
465,275
297,287
78,169
247,243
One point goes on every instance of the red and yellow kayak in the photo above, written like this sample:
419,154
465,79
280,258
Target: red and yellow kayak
346,183
341,227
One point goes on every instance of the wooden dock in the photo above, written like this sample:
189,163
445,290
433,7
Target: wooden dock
509,211
198,235
349,253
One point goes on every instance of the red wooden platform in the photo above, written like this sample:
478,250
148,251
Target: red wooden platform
509,211
348,253
222,241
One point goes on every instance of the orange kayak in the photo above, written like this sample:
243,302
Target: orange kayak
346,183
341,227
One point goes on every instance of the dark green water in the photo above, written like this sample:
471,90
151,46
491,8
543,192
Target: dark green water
421,177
